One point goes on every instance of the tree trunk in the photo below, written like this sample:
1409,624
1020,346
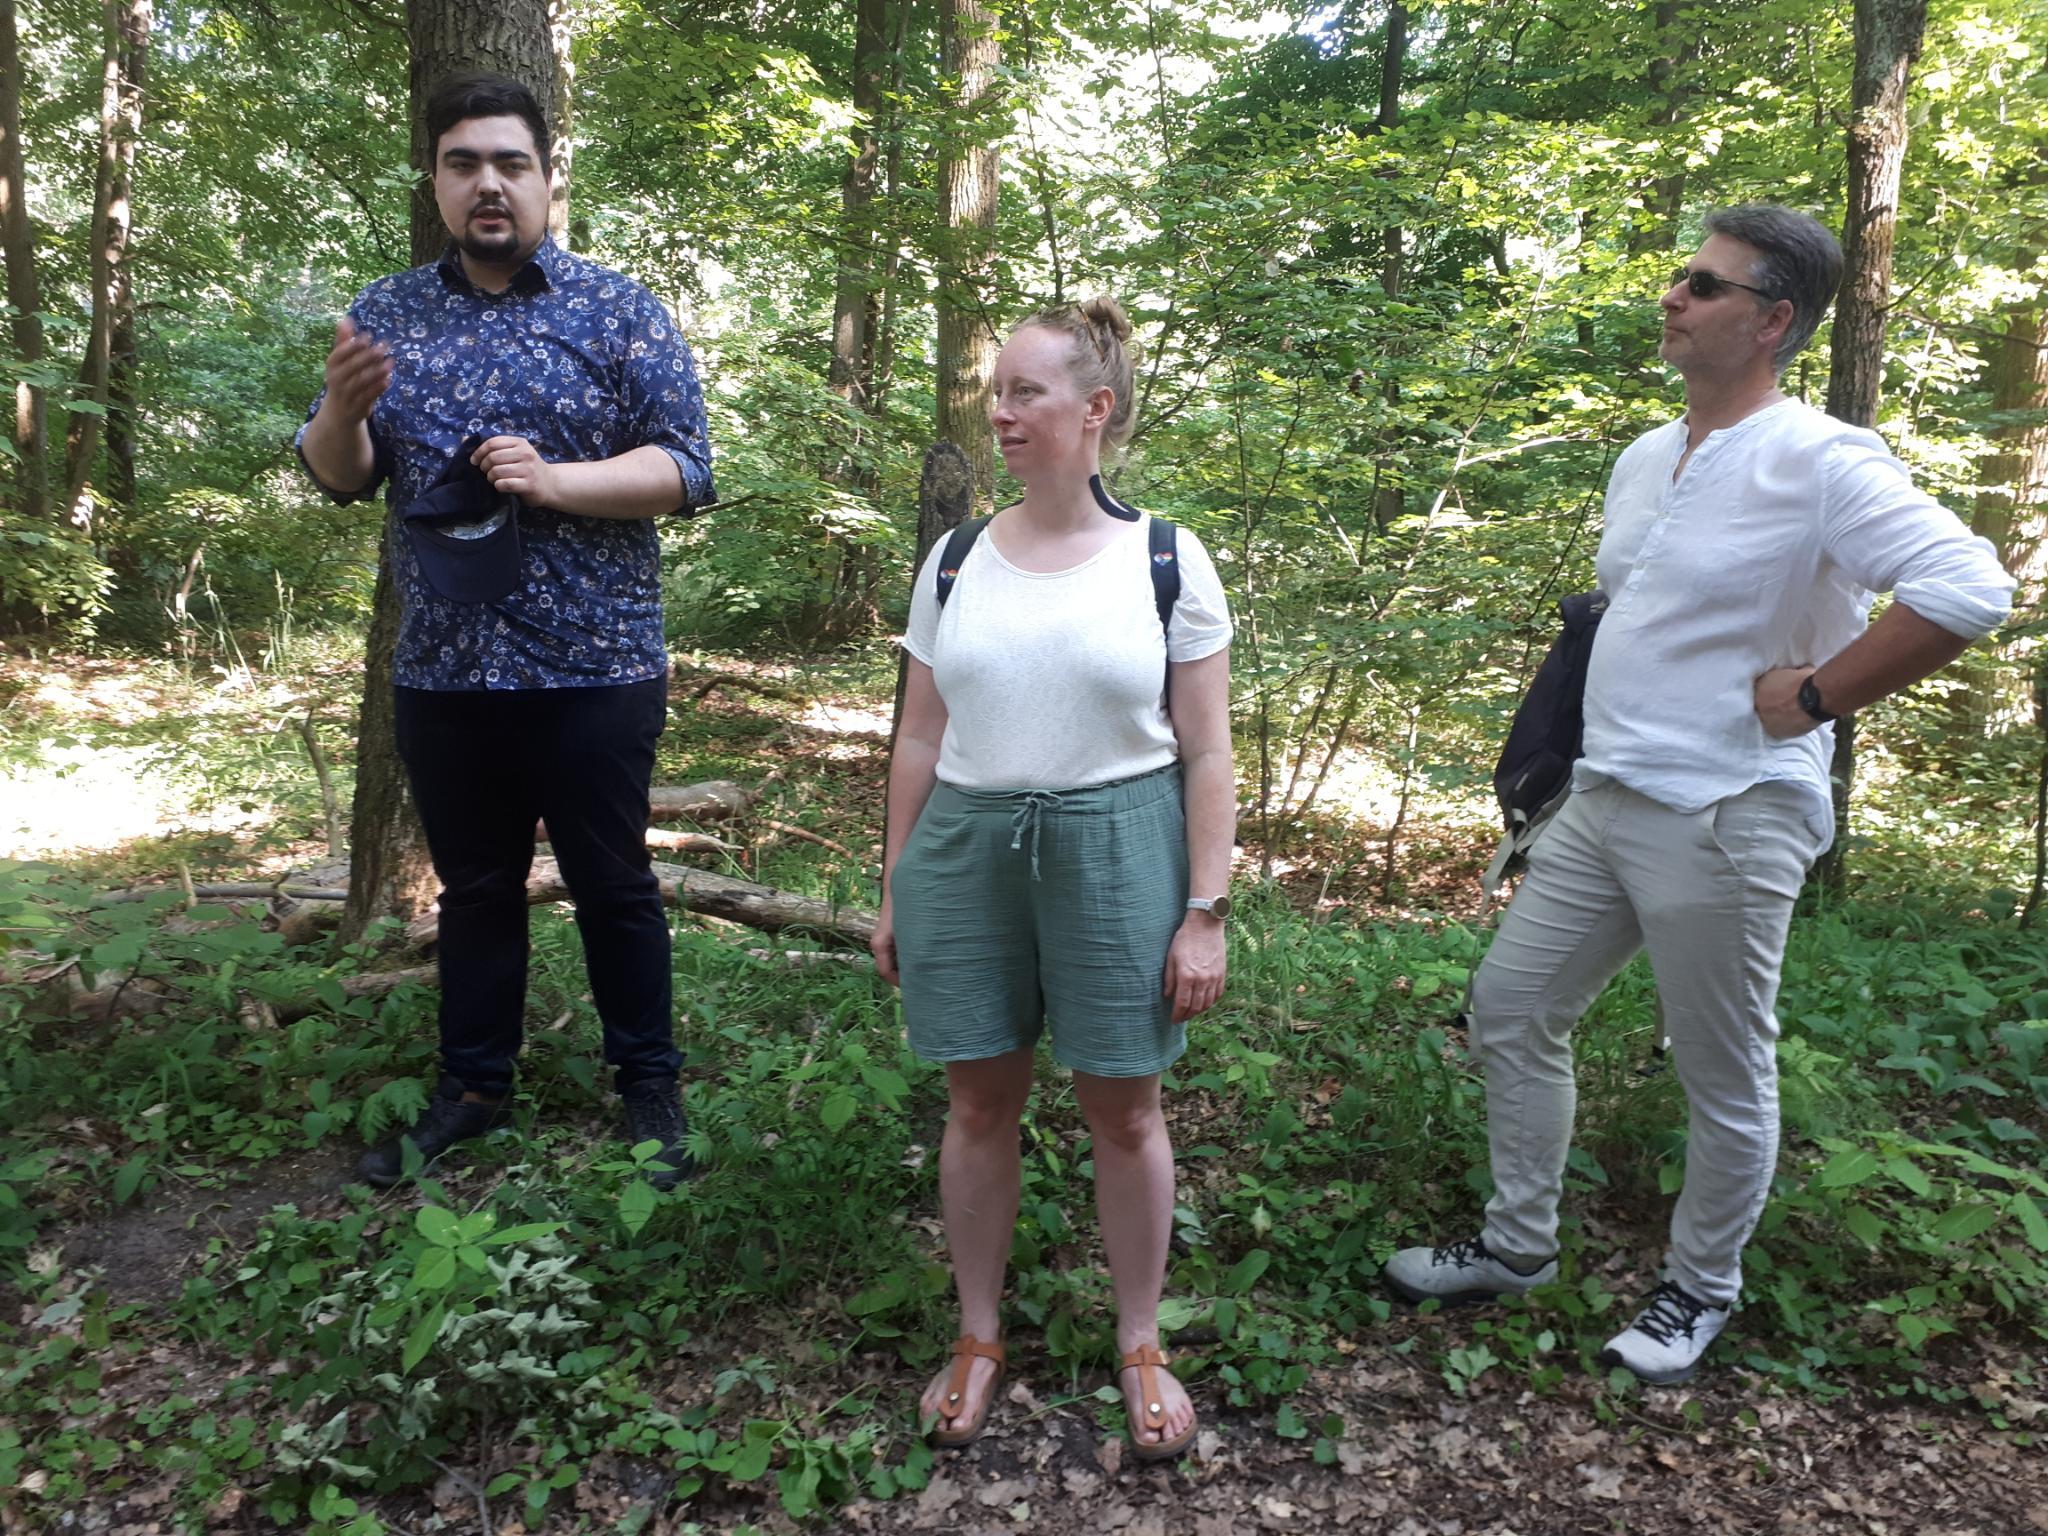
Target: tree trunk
850,348
945,495
17,238
389,872
110,221
1389,497
561,118
1887,42
967,214
134,29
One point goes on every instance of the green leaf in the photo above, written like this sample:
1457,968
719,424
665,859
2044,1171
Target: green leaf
475,1225
436,1269
1848,1168
129,1179
839,1108
1287,1423
1246,1272
1908,1173
1960,1223
1864,1223
439,1227
751,1461
636,1205
1912,1330
879,1297
2030,1216
421,1338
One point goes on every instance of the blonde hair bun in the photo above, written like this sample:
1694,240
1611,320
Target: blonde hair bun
1104,356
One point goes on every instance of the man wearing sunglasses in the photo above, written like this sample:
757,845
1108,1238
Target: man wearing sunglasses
1742,547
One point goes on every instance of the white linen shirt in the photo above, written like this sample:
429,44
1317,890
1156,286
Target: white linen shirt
1765,552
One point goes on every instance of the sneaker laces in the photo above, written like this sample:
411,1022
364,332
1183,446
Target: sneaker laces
1463,1254
1670,1312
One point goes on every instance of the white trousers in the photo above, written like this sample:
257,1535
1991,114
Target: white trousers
1709,895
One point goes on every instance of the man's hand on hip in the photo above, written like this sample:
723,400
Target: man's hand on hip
516,468
1777,703
358,373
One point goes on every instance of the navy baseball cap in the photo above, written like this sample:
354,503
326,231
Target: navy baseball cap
465,533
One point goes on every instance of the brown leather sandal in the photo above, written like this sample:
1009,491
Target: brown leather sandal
966,1350
1147,1360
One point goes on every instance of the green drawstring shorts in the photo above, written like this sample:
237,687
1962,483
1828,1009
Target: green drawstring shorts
1019,910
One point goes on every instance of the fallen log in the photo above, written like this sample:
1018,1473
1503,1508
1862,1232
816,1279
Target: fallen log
712,800
227,890
688,842
697,890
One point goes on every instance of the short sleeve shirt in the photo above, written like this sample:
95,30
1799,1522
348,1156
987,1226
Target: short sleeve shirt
1056,679
585,364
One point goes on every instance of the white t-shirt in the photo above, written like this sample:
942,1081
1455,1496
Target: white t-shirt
1056,679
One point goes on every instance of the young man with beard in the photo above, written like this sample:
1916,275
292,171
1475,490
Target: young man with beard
533,413
1743,544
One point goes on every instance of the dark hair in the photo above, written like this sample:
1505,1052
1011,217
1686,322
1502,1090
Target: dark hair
1797,259
462,97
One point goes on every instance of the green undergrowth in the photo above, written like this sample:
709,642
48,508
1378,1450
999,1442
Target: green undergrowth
532,1301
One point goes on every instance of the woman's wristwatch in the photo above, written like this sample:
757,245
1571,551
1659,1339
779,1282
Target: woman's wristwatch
1217,907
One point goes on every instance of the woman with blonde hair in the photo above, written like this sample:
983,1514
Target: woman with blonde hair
1061,813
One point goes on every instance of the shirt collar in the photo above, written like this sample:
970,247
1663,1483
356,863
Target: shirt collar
543,269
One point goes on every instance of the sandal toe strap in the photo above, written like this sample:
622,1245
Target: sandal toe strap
1148,1362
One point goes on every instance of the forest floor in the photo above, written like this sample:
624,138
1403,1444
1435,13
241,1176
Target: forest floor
135,1326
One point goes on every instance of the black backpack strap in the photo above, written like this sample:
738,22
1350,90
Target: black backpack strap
1162,541
958,543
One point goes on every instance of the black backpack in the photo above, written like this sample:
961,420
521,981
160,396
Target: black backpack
1534,774
1162,544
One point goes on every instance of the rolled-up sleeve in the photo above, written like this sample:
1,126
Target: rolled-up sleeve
664,402
1890,536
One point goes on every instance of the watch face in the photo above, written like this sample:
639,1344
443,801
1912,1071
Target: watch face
1220,907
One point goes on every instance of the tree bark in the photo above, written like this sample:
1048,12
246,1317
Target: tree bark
1888,34
121,359
389,872
561,118
945,494
850,347
1389,496
967,214
110,224
17,238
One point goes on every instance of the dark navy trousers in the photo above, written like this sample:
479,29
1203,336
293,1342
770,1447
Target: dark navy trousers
484,767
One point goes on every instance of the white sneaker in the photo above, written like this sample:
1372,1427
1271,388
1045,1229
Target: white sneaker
1664,1344
1462,1272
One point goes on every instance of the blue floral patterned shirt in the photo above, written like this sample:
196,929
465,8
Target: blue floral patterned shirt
583,363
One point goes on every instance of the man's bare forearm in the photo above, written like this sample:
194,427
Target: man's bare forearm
1894,653
639,483
339,453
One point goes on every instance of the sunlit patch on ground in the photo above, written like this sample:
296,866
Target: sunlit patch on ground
844,720
144,765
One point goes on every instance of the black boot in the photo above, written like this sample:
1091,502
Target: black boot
654,1112
446,1120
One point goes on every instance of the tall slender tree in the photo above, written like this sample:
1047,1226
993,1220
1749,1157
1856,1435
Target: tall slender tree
24,295
968,172
1888,34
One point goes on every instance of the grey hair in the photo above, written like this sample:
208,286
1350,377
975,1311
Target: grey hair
1798,259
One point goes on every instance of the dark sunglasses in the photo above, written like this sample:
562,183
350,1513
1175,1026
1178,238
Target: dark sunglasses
1707,285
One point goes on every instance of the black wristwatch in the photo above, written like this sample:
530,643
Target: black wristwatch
1809,700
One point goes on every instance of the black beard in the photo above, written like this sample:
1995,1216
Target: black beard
491,248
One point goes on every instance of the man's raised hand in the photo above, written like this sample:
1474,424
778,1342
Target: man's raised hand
358,372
